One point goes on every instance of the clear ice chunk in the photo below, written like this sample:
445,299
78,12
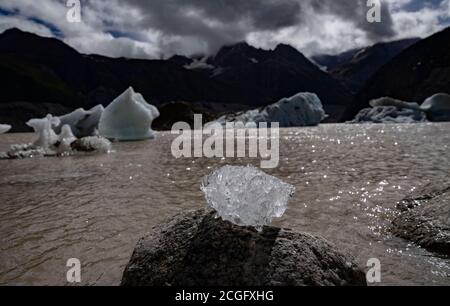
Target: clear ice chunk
246,196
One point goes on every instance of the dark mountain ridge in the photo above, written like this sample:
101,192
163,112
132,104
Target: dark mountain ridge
356,66
40,70
415,74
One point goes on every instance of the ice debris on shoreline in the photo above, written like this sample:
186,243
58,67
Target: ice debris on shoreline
48,143
128,117
246,196
388,110
437,107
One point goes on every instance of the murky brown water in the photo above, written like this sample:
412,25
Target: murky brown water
95,208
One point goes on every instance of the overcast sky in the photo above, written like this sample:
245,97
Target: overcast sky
161,28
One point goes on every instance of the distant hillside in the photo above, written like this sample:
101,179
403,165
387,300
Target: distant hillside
355,67
36,70
413,75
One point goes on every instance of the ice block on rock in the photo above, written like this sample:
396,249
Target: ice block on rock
246,196
128,117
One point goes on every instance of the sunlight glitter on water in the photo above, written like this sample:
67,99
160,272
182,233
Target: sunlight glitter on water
348,180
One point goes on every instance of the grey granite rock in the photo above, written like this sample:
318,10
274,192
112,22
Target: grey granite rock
425,218
198,249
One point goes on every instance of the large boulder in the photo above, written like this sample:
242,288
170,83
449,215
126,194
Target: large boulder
198,249
425,218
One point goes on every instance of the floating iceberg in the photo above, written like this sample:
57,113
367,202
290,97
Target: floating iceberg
92,144
388,101
48,143
82,122
389,114
246,196
44,129
65,138
389,110
128,117
4,128
303,109
437,107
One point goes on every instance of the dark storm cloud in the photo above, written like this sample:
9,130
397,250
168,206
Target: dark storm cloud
356,11
218,22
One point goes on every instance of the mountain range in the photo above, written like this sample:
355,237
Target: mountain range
357,66
415,74
44,75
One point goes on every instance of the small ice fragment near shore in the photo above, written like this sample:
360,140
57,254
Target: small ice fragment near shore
82,122
91,144
128,117
246,196
65,138
43,127
4,128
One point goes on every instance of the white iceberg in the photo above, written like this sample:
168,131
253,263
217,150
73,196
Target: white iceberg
65,139
82,122
437,107
44,129
246,196
4,128
390,110
302,109
128,117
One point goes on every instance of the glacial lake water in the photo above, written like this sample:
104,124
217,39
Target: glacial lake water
95,208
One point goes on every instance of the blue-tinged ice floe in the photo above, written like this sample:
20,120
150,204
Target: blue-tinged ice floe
302,109
388,110
43,127
437,107
128,117
82,122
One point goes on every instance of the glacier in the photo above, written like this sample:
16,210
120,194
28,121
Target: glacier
437,107
4,128
82,122
302,109
128,117
246,196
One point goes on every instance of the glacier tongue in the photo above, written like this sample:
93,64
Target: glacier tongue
246,196
128,117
